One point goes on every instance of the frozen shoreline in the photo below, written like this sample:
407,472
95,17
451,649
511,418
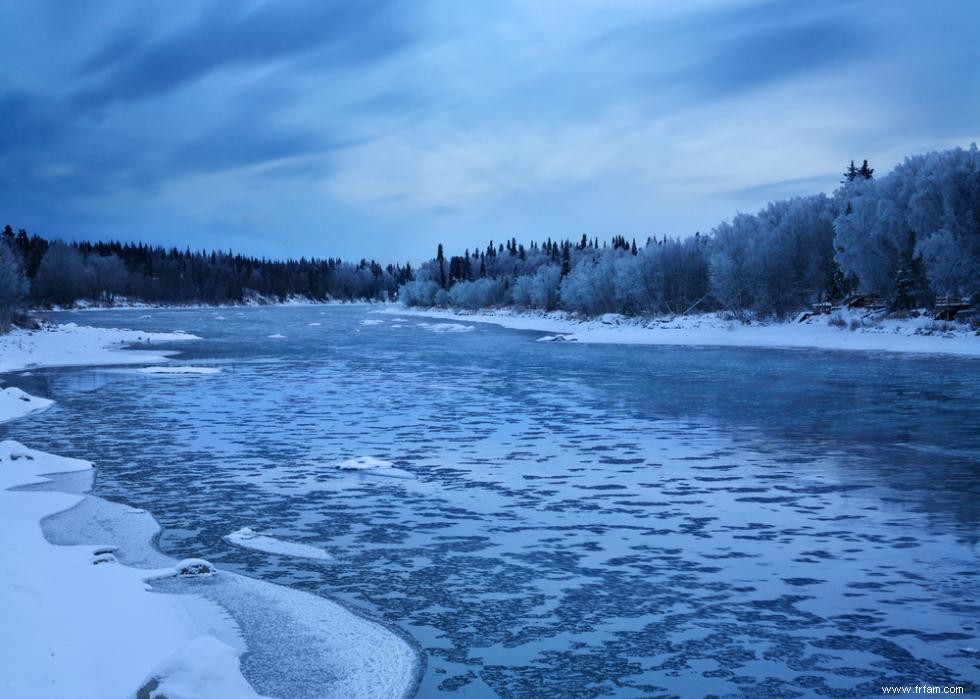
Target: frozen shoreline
125,304
915,335
68,605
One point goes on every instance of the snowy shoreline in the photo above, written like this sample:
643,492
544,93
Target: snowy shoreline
260,302
69,607
920,335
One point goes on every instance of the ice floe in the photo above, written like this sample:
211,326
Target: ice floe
557,338
370,466
247,538
446,327
16,403
179,370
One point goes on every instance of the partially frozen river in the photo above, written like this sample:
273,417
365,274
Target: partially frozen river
581,520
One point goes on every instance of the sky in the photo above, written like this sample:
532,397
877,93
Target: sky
377,129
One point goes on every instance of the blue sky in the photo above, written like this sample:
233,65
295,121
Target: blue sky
377,129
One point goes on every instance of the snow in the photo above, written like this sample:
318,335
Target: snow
190,567
446,327
15,403
370,466
179,370
247,538
919,335
68,621
205,667
557,338
74,345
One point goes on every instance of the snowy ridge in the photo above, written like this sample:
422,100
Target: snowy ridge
920,335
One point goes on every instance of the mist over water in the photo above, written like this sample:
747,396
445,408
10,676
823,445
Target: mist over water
584,520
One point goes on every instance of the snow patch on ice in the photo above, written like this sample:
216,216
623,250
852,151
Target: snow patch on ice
16,403
557,338
446,327
179,370
370,466
250,539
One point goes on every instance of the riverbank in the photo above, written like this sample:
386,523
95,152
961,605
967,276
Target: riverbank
256,301
81,602
845,330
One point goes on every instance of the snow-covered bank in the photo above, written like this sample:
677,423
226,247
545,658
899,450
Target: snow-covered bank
127,304
70,612
75,345
920,335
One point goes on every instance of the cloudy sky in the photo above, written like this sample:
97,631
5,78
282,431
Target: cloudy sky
376,128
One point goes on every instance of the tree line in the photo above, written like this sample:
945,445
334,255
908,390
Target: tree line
34,270
905,239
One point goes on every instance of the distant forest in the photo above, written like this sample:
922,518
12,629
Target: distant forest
904,239
44,273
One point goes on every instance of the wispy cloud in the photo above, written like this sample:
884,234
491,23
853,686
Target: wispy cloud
377,128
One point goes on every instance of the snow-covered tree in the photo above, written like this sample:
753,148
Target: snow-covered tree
13,285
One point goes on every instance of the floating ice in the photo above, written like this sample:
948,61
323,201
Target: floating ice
370,466
247,538
557,338
276,336
179,370
372,322
16,403
446,327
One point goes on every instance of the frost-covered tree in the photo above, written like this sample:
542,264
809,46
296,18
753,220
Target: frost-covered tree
108,274
62,277
906,237
945,213
13,285
590,287
914,232
730,272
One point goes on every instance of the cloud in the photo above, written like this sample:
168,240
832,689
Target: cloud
235,34
382,127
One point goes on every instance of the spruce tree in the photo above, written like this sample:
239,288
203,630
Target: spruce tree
440,258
